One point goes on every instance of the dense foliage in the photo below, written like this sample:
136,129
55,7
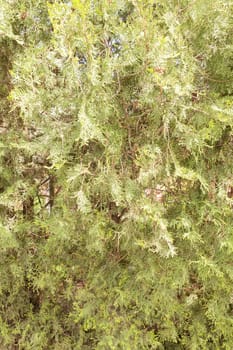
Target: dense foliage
116,188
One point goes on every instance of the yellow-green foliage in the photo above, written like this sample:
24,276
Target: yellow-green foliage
116,199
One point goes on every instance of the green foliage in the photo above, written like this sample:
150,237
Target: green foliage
116,187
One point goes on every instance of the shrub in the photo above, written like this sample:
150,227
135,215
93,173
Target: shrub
116,175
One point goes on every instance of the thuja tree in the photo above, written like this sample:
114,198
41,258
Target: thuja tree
116,175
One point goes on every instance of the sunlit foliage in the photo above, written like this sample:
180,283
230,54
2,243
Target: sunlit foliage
116,174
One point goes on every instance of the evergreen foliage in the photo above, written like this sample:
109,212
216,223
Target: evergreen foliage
116,122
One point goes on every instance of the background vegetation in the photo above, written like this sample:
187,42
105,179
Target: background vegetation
116,180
